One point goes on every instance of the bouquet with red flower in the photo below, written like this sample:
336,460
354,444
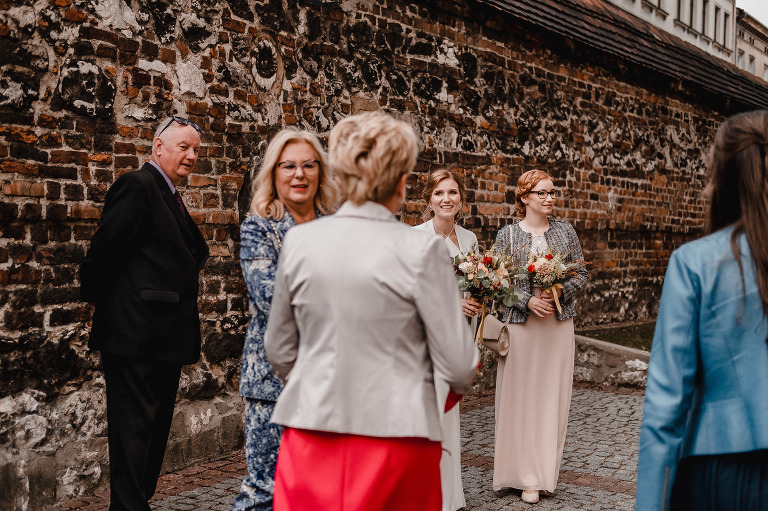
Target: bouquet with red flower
487,277
550,270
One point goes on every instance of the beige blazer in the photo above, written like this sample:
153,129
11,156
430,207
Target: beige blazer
365,311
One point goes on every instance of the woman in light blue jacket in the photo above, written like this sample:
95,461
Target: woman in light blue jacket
704,439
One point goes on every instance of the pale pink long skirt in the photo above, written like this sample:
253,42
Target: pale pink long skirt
533,397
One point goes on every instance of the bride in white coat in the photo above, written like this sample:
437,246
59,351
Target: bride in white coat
444,193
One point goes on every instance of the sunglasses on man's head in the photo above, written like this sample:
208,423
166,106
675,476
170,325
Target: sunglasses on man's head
183,122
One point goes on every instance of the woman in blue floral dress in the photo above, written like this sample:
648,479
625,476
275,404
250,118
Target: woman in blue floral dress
293,186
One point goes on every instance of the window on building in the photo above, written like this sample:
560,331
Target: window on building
751,64
726,28
717,24
680,10
704,9
691,11
765,73
740,60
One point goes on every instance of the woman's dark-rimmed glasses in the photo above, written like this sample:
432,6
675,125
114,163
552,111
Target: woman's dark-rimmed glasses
183,122
543,193
288,168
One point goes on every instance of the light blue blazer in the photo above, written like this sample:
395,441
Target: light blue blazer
707,389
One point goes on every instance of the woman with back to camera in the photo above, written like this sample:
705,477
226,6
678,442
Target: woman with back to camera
534,380
704,438
444,194
365,312
293,186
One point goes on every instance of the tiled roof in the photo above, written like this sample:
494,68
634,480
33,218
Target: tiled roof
608,28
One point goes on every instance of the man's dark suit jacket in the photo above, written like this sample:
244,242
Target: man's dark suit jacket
141,272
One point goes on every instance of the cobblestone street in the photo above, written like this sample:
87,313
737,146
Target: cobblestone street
598,471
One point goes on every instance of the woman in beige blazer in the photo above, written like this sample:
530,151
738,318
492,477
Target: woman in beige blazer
364,313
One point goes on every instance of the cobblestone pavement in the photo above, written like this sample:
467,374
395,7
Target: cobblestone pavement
598,470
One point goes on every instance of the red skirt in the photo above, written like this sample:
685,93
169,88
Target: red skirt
340,472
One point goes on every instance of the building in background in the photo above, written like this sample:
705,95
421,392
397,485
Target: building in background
707,24
751,45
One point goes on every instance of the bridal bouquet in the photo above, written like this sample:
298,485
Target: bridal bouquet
549,270
487,277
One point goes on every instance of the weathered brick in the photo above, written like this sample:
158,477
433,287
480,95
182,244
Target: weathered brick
60,233
31,212
125,148
168,55
197,181
140,77
56,211
79,211
89,32
100,159
65,156
73,192
23,320
58,171
25,188
149,48
106,51
8,210
128,131
74,15
17,167
128,45
23,274
197,108
47,121
122,162
234,25
69,315
218,90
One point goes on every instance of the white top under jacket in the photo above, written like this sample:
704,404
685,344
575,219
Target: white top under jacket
467,238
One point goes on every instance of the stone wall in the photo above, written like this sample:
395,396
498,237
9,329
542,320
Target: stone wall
84,82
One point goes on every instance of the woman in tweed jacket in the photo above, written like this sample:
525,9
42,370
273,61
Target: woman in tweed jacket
534,380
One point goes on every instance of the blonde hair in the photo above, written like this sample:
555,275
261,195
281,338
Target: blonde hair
525,184
435,178
369,153
264,199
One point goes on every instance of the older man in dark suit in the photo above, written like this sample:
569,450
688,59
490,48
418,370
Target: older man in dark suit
141,272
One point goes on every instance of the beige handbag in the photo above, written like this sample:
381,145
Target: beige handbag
495,335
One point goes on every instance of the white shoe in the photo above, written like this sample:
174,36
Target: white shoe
530,496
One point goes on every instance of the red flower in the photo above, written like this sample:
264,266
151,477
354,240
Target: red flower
531,268
548,257
487,261
456,270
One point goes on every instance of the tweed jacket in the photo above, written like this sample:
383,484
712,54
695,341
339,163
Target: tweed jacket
561,237
365,313
707,390
260,241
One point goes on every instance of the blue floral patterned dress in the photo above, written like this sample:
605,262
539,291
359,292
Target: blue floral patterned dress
260,243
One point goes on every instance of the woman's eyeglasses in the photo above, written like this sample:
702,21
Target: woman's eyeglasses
288,168
183,122
543,193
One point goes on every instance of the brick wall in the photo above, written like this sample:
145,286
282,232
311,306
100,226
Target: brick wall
83,84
